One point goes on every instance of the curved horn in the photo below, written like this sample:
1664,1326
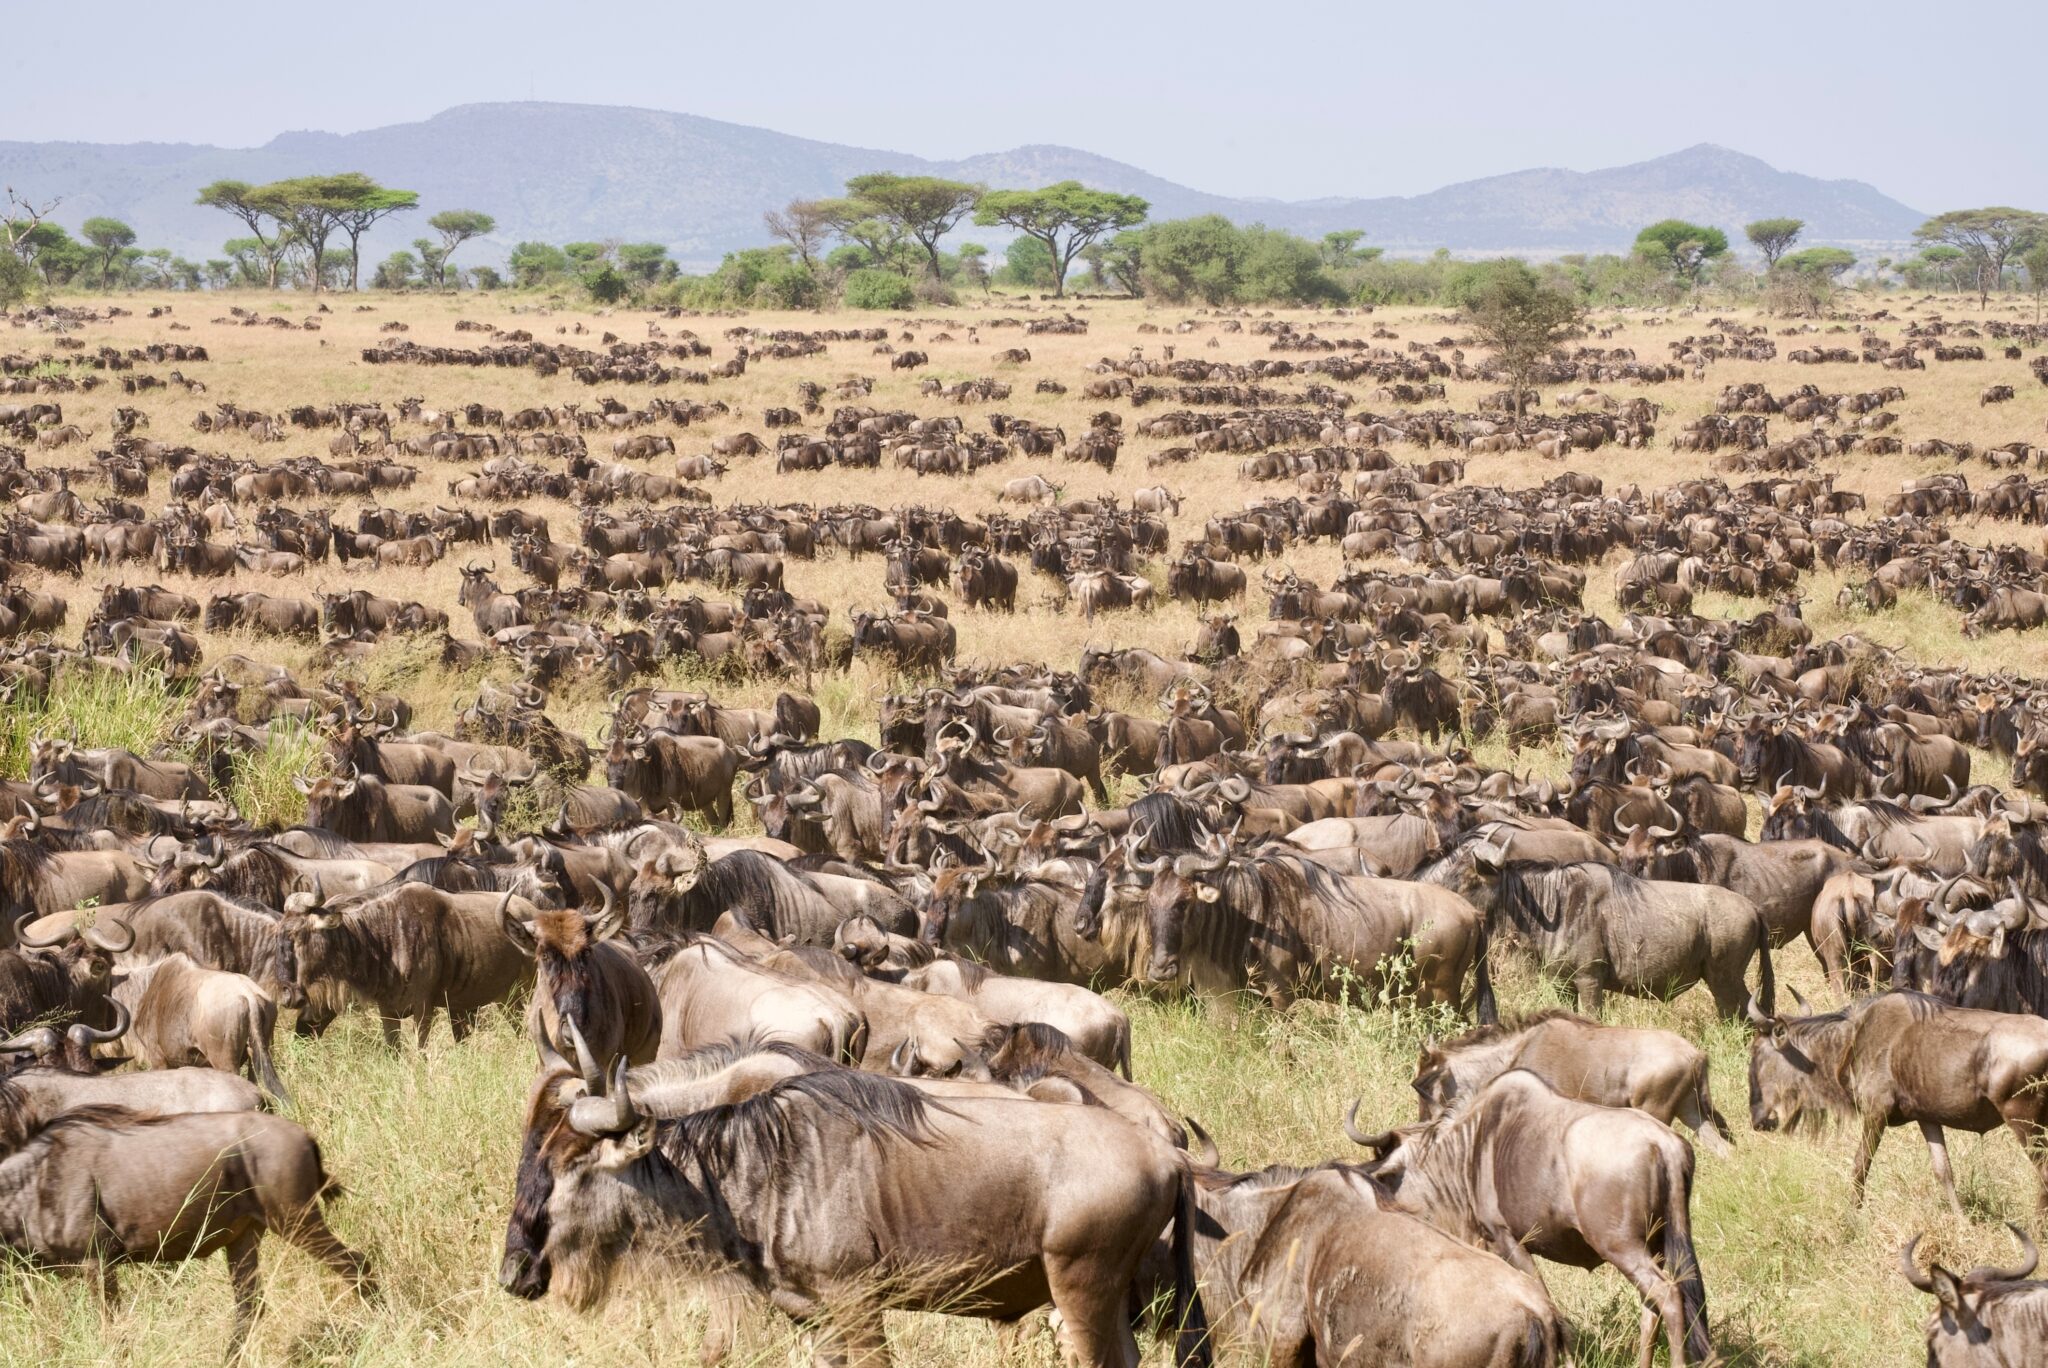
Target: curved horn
593,1077
1377,1143
98,937
22,937
123,1019
1985,1273
1909,1268
1203,1150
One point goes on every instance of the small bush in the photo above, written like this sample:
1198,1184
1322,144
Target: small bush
872,289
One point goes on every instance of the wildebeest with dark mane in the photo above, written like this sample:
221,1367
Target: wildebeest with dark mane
834,1189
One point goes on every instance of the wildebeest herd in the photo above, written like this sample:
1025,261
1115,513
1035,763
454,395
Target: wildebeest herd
831,810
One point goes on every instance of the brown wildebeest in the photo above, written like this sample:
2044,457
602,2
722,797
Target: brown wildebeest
411,952
185,1014
1902,1057
101,1187
1523,1171
1988,1317
1659,1072
1095,1027
1285,1258
586,977
849,1173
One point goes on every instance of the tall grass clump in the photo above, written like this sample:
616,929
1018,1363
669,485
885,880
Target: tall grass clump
98,708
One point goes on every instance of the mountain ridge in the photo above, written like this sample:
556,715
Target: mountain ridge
562,172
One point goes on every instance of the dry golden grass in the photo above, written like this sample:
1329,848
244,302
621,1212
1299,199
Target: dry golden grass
426,1145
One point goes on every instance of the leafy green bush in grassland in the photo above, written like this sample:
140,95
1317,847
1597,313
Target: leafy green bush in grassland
872,289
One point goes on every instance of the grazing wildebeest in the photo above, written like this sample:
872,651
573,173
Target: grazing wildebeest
1659,1072
849,1176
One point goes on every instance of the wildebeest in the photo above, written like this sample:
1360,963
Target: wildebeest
1902,1057
1659,1072
100,1186
1310,1267
847,1176
185,1013
1291,926
585,976
1605,931
410,952
1987,1318
1522,1171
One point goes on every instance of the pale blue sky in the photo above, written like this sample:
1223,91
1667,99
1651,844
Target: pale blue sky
1934,104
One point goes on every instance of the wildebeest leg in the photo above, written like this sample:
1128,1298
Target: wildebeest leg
2033,1138
1094,1329
1873,1132
1646,1339
1592,993
460,1024
1937,1150
1660,1299
1698,1113
721,1327
309,1231
242,1272
388,1023
851,1338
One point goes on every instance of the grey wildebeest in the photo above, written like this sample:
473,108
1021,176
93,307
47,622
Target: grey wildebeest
1291,926
846,1177
1524,1172
1899,1058
101,1187
1602,931
185,1013
410,952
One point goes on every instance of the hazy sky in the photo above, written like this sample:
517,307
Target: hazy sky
1935,105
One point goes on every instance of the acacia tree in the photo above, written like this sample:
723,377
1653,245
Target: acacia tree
359,204
855,221
109,238
803,224
1685,247
456,226
1989,237
922,208
1774,237
1067,218
253,208
1521,317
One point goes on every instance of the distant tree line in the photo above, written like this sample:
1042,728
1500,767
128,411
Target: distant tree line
882,245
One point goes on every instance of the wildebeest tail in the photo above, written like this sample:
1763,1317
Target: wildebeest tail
1542,1343
263,1071
1123,1052
1192,1349
1483,1005
1682,1265
1766,982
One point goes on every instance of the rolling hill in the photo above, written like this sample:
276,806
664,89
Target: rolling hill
562,172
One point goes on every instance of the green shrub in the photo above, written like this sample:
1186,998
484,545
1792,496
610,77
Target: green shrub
871,289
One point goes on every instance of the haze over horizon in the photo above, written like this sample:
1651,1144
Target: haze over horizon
1414,103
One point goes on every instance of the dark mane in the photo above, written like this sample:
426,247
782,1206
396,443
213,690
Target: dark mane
1172,823
1480,1035
768,1125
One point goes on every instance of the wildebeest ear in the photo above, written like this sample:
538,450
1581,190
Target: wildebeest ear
1948,1289
626,1150
1927,936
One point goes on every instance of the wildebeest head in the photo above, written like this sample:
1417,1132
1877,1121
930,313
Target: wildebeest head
1962,1328
1177,882
84,952
1791,1074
